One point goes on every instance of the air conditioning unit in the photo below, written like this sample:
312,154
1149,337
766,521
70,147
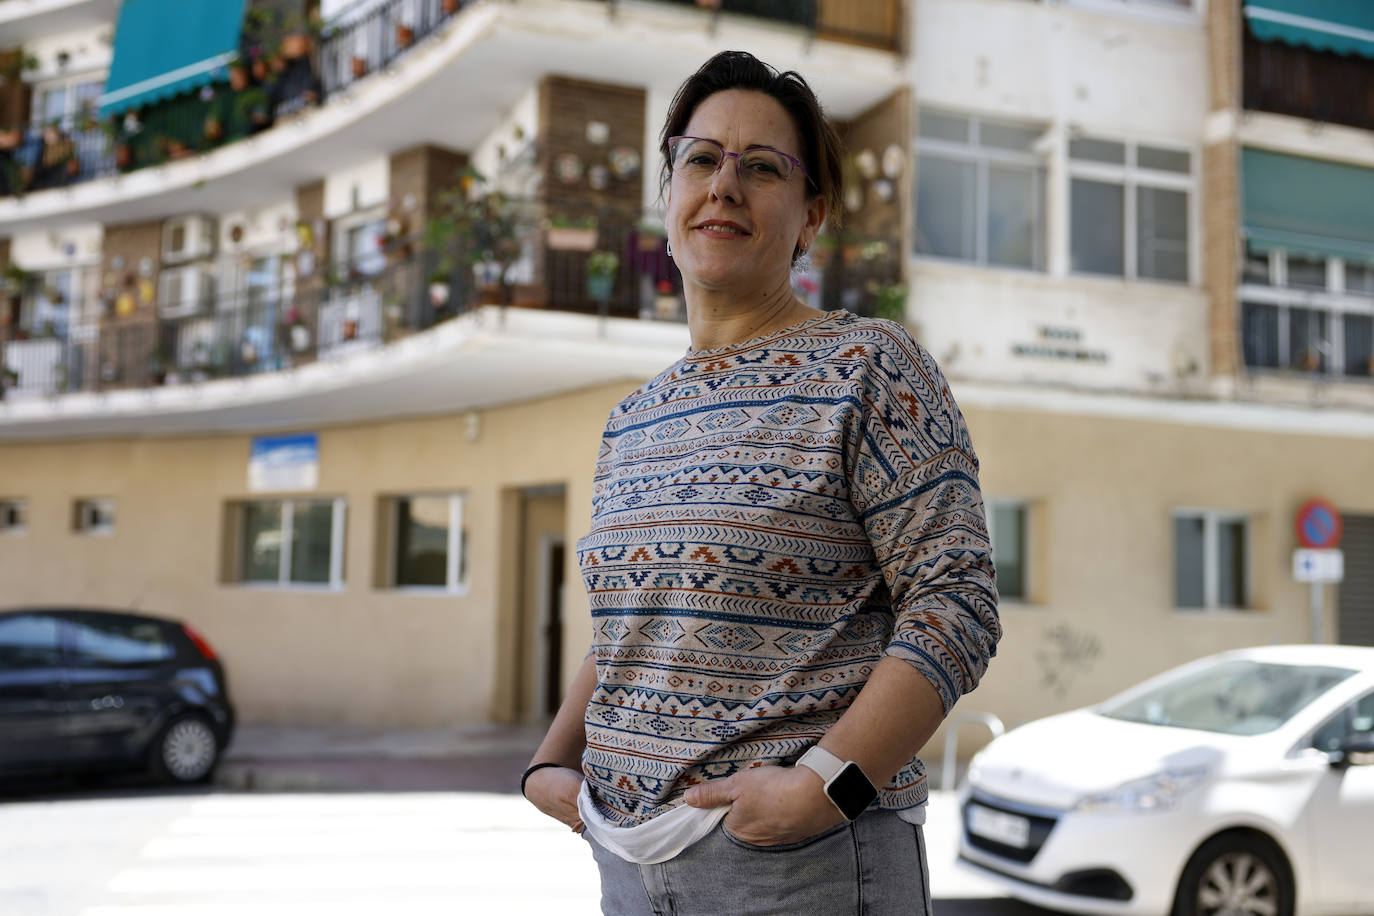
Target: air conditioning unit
186,238
185,291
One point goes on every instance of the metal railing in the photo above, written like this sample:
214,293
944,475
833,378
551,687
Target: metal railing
950,761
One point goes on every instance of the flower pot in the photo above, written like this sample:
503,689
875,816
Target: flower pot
359,67
300,338
600,286
405,35
213,129
567,238
450,6
73,167
260,70
666,308
295,45
438,294
10,139
350,330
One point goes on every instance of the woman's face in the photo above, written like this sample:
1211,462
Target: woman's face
726,235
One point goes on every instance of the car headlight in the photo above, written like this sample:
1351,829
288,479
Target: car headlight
1158,792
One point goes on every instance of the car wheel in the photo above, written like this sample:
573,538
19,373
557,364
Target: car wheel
186,751
1235,875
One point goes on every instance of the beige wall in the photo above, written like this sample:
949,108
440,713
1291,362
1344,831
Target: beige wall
1101,491
365,655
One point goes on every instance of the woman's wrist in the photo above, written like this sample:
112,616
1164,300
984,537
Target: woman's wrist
536,767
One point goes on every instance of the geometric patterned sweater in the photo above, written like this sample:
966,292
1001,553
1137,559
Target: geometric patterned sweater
769,519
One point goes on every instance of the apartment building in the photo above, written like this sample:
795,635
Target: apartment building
313,314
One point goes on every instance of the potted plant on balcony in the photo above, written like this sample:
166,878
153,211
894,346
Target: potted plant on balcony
479,235
297,334
667,305
358,65
450,6
405,35
565,233
889,300
601,268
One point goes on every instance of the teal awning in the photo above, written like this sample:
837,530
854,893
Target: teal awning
166,47
1307,205
1340,26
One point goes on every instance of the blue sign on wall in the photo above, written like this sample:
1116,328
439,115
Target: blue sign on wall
284,463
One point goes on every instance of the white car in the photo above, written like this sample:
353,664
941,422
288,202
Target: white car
1238,785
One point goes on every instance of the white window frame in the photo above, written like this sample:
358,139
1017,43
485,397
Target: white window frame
337,531
1334,301
19,507
981,157
1025,508
1131,177
454,584
1211,519
66,83
84,520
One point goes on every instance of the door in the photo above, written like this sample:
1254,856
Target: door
1341,812
30,691
119,683
551,580
1355,594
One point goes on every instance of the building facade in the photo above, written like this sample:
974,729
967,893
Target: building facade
309,333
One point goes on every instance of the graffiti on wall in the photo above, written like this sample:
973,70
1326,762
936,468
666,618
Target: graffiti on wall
1065,655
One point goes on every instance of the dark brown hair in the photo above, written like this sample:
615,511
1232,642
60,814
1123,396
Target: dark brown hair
822,150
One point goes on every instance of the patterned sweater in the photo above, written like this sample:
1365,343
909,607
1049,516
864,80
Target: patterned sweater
768,520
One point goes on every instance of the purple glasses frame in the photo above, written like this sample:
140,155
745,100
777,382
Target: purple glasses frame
672,142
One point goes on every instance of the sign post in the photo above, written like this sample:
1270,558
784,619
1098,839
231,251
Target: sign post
1318,561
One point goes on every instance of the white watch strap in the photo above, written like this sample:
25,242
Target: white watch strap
820,761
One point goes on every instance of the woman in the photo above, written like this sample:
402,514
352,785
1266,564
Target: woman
787,552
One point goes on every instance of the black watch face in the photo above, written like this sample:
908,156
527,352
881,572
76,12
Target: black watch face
851,791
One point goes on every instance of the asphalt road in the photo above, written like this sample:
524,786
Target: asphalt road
125,849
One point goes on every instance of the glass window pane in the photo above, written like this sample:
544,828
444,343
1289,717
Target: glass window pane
946,192
1012,226
1098,151
1008,136
1256,266
1307,342
1188,561
1098,237
28,641
1260,335
52,105
11,514
1359,345
311,527
422,541
1359,279
1305,272
261,557
365,253
1162,234
942,127
1009,549
1165,160
119,642
1231,564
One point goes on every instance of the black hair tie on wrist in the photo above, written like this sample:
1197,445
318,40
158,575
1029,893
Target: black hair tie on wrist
532,769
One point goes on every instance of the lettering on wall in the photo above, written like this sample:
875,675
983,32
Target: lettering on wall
1059,343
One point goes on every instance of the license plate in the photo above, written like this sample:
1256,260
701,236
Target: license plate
1007,829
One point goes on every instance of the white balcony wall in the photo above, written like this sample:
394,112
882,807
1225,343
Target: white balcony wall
70,246
357,187
1014,326
506,156
1131,76
87,49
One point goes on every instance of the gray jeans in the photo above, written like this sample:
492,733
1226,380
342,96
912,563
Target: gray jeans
875,866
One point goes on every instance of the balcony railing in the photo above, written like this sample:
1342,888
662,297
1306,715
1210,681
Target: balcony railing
355,44
1315,85
872,23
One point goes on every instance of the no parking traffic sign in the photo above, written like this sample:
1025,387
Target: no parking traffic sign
1318,525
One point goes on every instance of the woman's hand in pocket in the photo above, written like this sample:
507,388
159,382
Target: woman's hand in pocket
770,805
554,790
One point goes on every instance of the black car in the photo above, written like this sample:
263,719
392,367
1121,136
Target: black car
103,690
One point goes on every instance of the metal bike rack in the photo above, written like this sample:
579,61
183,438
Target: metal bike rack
994,725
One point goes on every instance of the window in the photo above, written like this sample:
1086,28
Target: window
1357,719
13,516
28,641
358,243
71,104
1211,560
290,542
1307,313
429,544
105,641
1130,209
46,307
94,516
980,191
1007,528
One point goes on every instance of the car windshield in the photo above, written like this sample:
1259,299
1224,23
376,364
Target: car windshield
1233,697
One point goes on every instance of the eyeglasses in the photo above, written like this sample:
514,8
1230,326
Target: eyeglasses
698,159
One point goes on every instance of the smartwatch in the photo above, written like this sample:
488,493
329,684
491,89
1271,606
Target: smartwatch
846,786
